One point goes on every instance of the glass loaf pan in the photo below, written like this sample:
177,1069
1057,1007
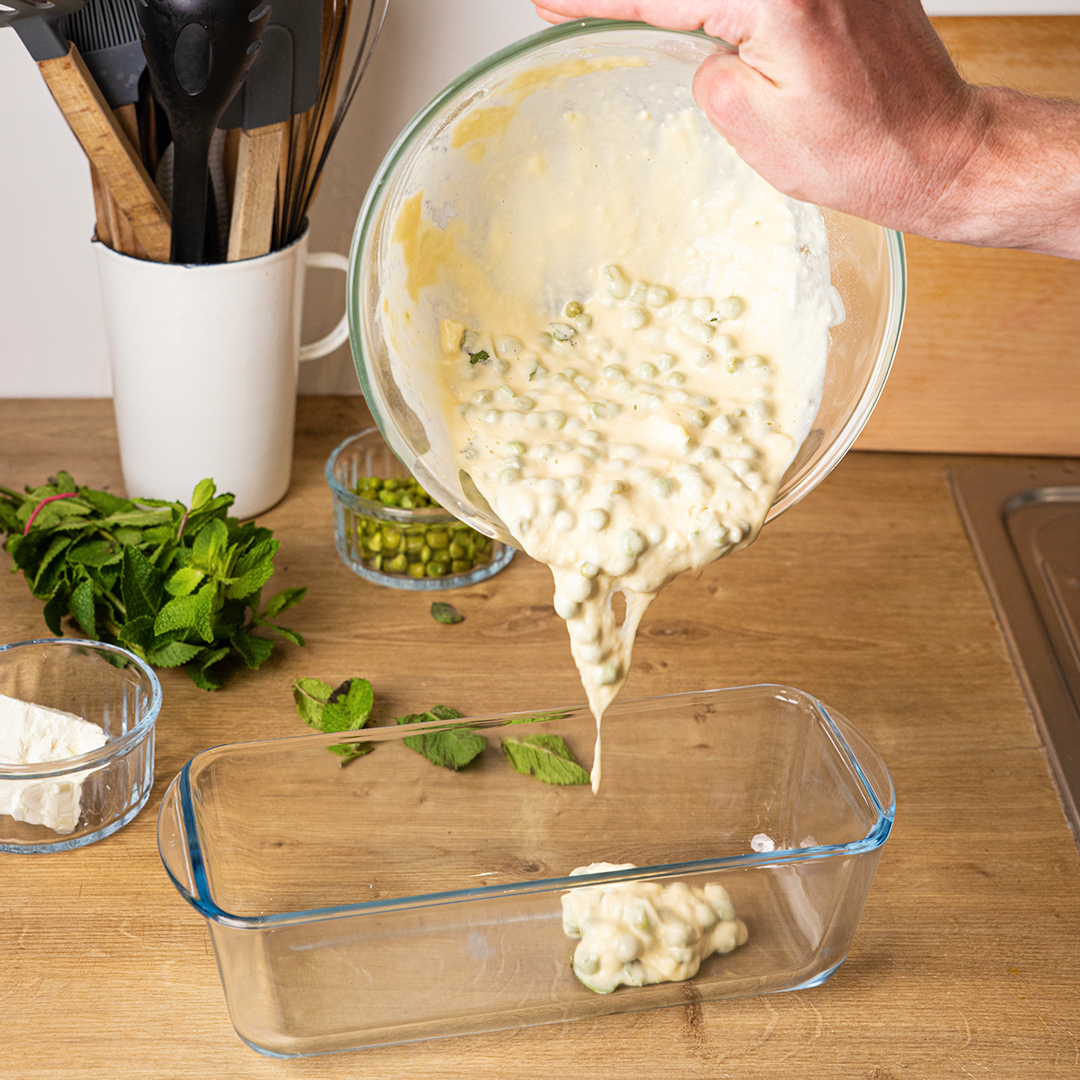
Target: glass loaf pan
392,899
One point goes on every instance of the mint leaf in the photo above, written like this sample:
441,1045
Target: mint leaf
253,569
310,696
180,613
444,712
284,600
254,650
140,517
453,748
204,611
539,718
547,757
55,609
203,493
184,581
82,608
208,551
42,584
284,631
95,552
137,633
140,584
105,502
446,613
200,668
346,708
173,654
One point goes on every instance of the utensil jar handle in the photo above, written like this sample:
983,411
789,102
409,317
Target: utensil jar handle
329,260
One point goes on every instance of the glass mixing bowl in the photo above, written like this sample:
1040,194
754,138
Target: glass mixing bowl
867,268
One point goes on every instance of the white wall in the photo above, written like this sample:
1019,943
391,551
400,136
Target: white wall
51,335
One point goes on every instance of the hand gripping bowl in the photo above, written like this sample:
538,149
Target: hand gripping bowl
396,900
866,263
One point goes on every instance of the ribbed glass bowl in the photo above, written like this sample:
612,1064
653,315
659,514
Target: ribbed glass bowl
95,793
867,267
432,548
395,899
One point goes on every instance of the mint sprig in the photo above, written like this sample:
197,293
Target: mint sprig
344,708
179,586
453,748
547,757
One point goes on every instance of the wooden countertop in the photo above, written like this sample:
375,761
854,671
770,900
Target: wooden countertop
866,594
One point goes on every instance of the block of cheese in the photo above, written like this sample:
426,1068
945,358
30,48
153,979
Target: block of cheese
34,734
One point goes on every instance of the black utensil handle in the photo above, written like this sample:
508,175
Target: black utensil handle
191,176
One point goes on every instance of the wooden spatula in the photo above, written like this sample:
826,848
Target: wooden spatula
92,121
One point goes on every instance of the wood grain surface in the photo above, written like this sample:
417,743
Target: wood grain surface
989,360
866,594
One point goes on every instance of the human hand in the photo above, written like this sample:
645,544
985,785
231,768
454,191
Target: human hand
853,104
856,105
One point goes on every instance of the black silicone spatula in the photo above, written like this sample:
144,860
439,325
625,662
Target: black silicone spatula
107,34
283,82
197,53
284,79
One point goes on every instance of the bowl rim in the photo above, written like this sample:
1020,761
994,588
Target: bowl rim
199,894
92,759
367,219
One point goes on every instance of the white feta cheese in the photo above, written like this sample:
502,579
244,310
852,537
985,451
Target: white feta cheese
32,734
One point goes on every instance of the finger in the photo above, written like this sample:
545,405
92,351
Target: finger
740,102
723,86
718,20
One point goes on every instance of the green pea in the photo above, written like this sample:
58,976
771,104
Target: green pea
438,538
397,565
416,570
435,569
460,566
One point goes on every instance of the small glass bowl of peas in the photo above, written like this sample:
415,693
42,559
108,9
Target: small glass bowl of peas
390,531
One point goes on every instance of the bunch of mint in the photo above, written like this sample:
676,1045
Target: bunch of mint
178,586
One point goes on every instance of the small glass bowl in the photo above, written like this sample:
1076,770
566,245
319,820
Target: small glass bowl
88,797
433,548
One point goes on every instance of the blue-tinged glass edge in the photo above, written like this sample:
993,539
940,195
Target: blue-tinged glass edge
200,899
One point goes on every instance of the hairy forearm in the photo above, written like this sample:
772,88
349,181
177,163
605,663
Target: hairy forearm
1019,186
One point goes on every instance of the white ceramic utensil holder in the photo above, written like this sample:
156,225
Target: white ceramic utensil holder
205,362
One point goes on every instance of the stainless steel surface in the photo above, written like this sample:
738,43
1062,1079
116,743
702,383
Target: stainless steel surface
1023,521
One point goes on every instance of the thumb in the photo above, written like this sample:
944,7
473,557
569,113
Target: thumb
724,87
